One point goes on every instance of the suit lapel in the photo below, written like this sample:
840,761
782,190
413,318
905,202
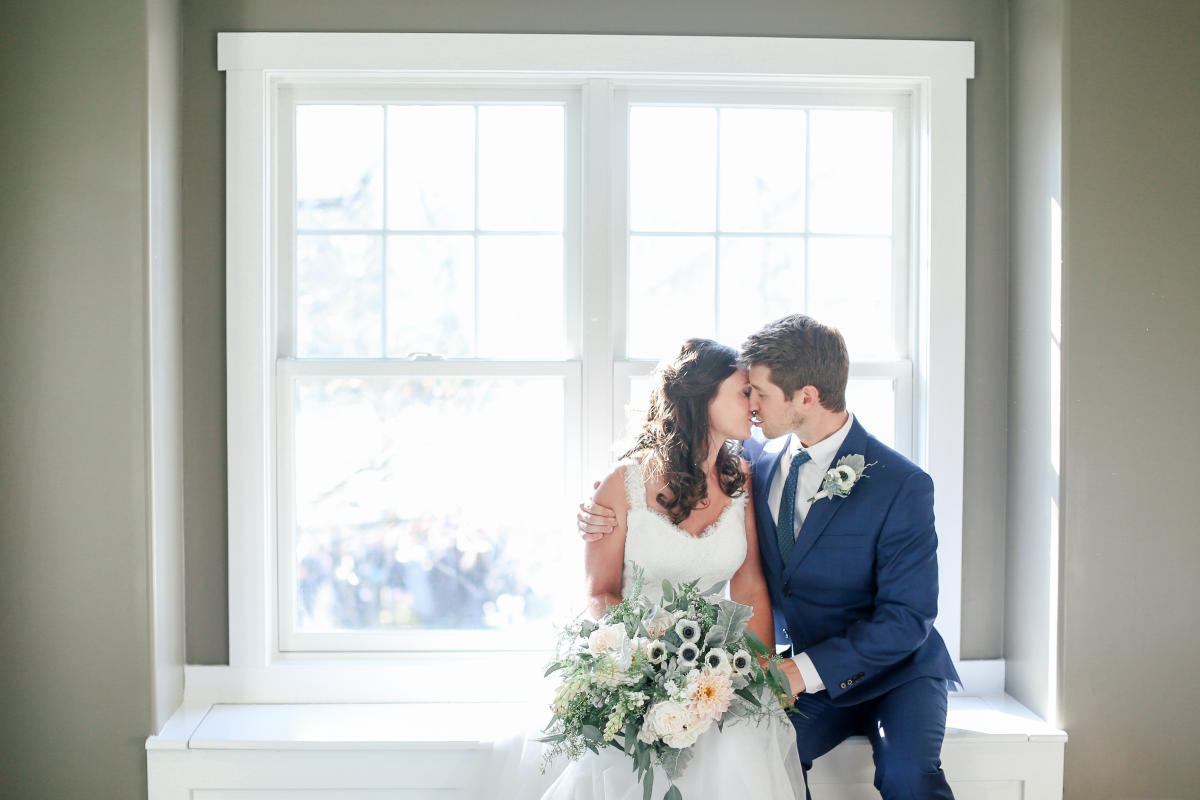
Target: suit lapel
823,510
767,466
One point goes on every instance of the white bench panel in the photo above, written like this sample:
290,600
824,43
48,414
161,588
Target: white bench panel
994,750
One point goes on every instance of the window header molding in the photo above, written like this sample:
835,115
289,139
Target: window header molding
696,57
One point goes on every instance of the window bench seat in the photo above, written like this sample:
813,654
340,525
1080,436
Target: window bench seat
995,749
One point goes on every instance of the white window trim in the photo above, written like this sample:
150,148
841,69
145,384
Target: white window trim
936,72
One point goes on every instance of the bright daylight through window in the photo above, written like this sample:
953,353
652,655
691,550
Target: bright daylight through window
428,231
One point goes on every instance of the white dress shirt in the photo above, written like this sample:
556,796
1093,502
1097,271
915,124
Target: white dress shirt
809,482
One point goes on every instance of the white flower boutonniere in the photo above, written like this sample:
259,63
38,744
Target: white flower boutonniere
842,477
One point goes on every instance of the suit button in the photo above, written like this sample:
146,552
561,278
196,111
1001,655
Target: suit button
843,684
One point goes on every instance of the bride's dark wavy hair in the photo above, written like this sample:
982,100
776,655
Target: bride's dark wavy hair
674,439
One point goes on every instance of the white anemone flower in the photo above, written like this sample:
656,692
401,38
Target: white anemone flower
741,662
844,477
718,660
688,630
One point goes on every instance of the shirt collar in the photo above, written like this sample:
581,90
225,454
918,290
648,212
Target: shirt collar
823,451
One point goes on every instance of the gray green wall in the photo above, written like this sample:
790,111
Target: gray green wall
1130,551
76,699
983,21
1105,118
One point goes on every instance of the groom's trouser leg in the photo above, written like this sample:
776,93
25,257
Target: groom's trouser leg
823,727
906,726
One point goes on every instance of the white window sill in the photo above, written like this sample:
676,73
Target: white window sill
426,726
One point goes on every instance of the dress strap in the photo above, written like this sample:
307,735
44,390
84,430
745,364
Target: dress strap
635,485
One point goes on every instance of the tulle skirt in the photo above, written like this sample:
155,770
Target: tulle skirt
748,758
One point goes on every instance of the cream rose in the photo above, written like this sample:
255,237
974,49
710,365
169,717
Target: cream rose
688,736
667,718
607,639
659,624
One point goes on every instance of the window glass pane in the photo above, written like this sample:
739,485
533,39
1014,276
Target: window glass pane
521,168
339,157
762,169
431,295
431,167
672,168
851,166
873,402
338,281
762,279
634,412
414,511
521,297
850,287
670,293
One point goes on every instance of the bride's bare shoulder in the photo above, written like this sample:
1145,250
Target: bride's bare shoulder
611,493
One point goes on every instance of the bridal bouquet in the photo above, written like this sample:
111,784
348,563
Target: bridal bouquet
650,678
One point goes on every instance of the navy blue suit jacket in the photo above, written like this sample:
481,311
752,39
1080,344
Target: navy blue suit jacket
859,591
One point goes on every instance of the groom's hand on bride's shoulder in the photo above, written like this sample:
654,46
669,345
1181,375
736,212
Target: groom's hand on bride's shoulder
595,520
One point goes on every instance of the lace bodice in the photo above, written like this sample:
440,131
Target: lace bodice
665,551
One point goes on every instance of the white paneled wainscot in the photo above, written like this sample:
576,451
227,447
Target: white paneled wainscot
995,749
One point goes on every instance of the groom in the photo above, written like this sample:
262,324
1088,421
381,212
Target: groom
853,574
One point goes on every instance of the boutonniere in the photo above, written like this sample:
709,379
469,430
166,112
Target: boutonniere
842,477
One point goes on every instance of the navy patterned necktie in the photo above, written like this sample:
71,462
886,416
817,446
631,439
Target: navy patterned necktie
786,529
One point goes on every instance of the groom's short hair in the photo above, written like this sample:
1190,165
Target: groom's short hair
802,352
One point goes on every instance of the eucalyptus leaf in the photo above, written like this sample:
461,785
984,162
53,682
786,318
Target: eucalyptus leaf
648,785
716,588
731,622
854,461
754,643
553,668
675,761
643,758
668,591
781,679
748,696
593,733
673,793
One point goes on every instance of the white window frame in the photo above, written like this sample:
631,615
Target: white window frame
258,64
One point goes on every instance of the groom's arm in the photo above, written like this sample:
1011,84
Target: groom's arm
906,577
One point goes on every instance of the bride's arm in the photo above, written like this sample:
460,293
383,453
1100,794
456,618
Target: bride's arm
604,558
748,585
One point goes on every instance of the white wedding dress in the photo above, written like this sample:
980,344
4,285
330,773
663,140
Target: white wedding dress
748,758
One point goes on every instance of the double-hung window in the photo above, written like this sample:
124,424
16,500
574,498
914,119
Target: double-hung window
454,261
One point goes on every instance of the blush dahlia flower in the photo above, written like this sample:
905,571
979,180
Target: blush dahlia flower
708,693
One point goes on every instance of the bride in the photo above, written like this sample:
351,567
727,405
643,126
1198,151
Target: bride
684,512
